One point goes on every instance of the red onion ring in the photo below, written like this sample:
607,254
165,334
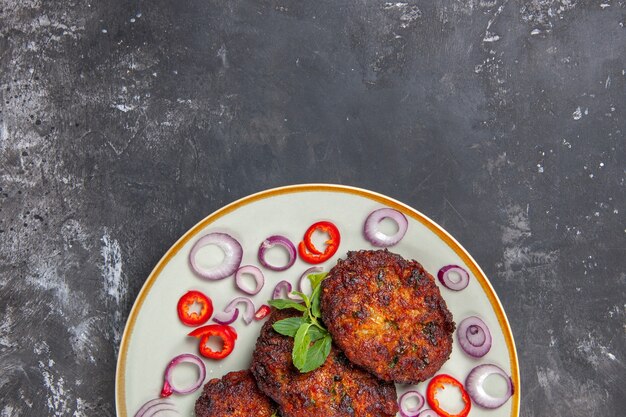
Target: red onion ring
444,277
149,405
233,252
283,286
168,386
272,241
476,379
427,413
410,411
248,316
304,276
226,318
378,238
258,278
474,336
162,411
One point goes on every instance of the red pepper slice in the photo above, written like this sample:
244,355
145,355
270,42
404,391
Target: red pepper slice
309,253
193,318
262,312
226,333
438,383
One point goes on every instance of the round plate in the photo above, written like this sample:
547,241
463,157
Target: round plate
154,334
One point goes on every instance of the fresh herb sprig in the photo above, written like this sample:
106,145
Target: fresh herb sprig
311,339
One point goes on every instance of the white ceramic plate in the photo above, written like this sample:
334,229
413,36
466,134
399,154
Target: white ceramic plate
154,335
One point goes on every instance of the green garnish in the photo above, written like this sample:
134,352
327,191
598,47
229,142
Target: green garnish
311,339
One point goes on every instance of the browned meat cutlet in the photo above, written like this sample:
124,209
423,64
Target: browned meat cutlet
387,315
336,389
234,395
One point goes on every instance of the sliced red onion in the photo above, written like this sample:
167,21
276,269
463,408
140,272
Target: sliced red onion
474,386
474,336
258,278
233,253
154,406
168,386
226,318
283,287
378,238
304,276
427,413
407,410
248,316
162,411
272,241
448,282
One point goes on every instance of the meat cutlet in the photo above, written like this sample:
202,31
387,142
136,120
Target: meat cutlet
234,395
387,315
336,389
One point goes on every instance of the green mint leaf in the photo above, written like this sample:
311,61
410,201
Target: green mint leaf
288,327
315,333
315,302
317,354
301,344
304,297
316,279
281,304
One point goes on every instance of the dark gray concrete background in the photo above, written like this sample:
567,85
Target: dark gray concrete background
123,123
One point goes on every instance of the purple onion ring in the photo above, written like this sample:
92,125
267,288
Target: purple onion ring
226,318
305,275
427,413
162,410
407,410
157,402
378,238
248,315
233,252
476,379
168,386
272,241
256,273
448,282
283,286
474,336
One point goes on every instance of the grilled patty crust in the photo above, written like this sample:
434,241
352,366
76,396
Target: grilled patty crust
336,389
387,315
234,395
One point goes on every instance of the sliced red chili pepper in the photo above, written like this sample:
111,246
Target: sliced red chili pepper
262,312
309,253
226,333
193,318
438,383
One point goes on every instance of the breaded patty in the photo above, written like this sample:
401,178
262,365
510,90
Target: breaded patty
336,389
234,395
387,315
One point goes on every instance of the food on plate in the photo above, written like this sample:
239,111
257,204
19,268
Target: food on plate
439,383
307,250
233,253
277,240
387,315
227,334
336,389
311,340
170,388
234,395
474,385
474,336
377,237
185,305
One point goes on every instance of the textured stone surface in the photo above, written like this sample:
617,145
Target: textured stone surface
123,123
